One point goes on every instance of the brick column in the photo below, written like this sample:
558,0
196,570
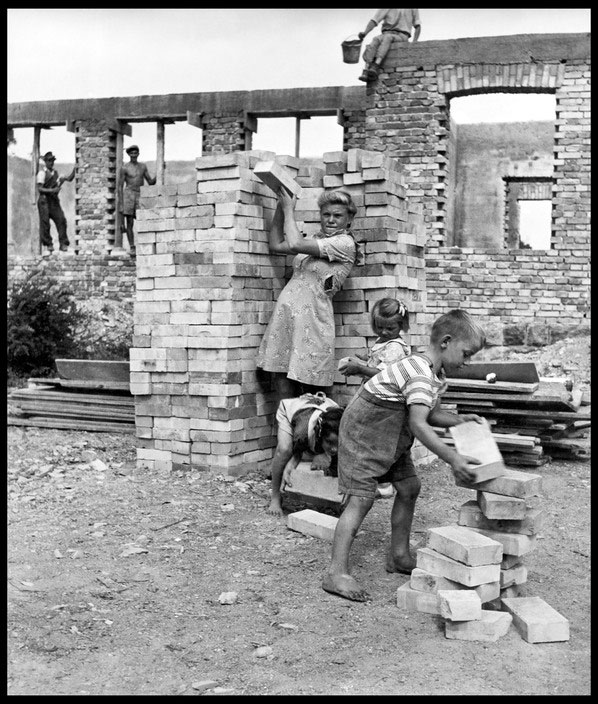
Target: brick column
95,183
571,190
353,124
223,133
406,117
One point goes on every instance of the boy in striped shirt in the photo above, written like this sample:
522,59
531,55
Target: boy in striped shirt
400,403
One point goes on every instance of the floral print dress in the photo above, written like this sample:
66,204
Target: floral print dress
299,339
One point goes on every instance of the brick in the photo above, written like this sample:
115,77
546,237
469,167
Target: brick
476,440
512,576
492,626
512,543
521,485
423,581
275,176
308,522
434,562
509,561
412,600
497,506
471,515
464,545
459,605
314,484
537,621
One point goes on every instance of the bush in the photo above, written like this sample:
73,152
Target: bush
42,316
106,330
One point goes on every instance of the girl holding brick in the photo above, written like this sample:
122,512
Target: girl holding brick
298,345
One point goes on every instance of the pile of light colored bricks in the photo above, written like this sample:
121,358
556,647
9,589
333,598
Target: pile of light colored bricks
207,285
480,562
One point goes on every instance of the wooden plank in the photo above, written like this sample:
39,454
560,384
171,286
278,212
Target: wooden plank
81,384
71,424
524,372
276,176
60,413
554,415
93,369
548,396
511,386
71,397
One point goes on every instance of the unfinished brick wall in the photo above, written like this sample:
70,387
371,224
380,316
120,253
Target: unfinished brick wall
91,277
207,286
406,116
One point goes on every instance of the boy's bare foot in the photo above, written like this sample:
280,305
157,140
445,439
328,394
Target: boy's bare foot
275,508
344,585
405,564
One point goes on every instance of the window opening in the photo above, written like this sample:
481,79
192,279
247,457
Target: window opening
492,135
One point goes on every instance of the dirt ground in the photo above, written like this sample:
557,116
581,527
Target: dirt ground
115,577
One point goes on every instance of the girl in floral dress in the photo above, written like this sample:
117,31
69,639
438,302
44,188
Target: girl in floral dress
298,345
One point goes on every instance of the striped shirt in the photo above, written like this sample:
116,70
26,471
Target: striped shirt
410,380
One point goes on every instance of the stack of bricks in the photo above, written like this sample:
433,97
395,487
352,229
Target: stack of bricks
484,554
502,512
390,230
391,234
207,285
455,560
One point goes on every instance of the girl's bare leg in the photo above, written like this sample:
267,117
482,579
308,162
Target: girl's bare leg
282,454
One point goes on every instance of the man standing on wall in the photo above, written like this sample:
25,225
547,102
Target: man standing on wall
396,27
130,180
48,204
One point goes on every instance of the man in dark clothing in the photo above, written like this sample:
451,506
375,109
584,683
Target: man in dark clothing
48,205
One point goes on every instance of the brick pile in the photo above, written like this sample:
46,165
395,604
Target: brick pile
502,511
483,555
207,285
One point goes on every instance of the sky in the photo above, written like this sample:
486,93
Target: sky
55,54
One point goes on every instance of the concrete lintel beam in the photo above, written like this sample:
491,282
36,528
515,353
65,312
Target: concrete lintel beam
120,127
195,119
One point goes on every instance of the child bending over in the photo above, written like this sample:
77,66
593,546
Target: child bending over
375,437
308,423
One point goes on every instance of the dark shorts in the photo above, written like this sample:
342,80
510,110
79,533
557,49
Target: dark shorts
130,202
374,445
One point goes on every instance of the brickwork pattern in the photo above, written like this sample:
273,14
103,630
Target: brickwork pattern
207,285
353,122
95,181
89,275
520,289
406,118
223,133
572,167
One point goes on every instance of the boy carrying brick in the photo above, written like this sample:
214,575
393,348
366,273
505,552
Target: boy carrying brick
375,437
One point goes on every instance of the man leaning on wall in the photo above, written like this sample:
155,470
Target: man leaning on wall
49,184
396,27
